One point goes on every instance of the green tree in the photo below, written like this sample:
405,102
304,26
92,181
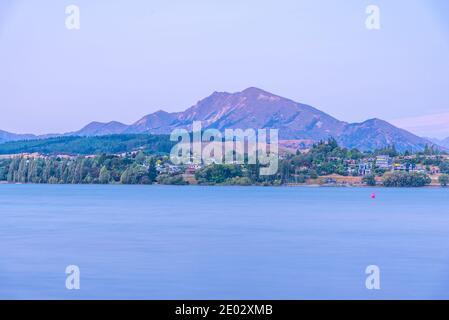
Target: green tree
444,167
140,157
171,180
406,179
369,180
444,180
152,173
105,175
135,174
218,174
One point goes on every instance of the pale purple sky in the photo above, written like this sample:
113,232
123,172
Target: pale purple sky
131,58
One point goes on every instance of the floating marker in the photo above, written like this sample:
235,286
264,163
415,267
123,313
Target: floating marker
373,195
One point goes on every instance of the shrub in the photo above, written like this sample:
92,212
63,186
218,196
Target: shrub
406,179
171,180
369,180
444,180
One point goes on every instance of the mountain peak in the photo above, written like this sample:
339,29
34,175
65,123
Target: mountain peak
100,128
161,112
254,108
255,91
377,122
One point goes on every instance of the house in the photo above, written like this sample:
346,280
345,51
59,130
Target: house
384,162
162,168
400,167
168,169
34,155
434,170
353,168
350,161
419,168
193,168
175,169
365,168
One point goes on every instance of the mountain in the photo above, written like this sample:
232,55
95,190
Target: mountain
259,109
8,136
100,129
255,108
159,122
375,134
251,108
444,142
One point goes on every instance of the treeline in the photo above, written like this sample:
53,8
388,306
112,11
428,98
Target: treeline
406,179
324,158
102,169
228,174
327,157
76,145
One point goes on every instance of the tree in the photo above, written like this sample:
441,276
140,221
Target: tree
152,173
4,164
301,178
406,179
105,175
285,170
444,180
22,172
218,174
370,180
135,174
171,180
140,157
444,167
313,174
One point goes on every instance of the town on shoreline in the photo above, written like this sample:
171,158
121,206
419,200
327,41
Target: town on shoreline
324,164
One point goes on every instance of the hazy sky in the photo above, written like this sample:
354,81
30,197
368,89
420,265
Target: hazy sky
134,57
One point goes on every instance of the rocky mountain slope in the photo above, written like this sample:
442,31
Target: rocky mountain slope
259,109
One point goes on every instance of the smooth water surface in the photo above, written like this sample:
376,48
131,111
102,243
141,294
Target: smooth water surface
163,242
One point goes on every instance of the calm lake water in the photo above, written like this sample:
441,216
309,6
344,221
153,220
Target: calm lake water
155,242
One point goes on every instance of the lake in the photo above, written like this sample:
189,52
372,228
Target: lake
174,242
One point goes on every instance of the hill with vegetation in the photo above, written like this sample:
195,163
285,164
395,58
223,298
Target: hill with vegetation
76,145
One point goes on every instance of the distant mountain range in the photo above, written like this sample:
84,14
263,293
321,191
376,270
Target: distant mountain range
8,136
255,108
443,142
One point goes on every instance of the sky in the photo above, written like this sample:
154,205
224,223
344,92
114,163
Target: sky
131,58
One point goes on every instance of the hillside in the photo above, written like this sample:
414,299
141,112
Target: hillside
90,145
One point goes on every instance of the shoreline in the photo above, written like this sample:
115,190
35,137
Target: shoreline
228,185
